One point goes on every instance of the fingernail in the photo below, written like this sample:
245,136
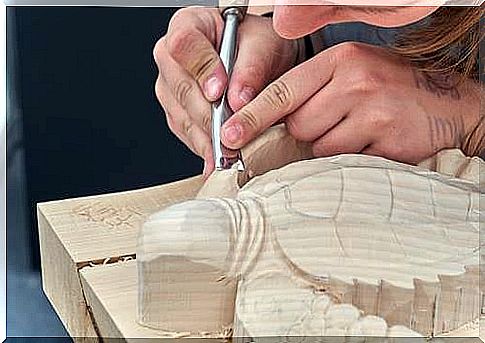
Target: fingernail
246,94
212,87
232,133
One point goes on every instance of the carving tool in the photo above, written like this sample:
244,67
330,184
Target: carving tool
233,13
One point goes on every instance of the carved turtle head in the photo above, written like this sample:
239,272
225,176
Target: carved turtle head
200,230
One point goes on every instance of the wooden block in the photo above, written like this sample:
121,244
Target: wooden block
94,230
61,283
396,304
101,230
88,246
111,293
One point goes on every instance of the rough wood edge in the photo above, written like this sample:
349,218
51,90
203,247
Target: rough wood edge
61,283
105,325
108,328
46,230
60,271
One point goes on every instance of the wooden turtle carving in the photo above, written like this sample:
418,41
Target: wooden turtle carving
347,245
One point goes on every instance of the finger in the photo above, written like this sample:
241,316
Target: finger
196,139
209,167
185,91
351,135
189,44
319,114
280,98
373,150
395,150
262,56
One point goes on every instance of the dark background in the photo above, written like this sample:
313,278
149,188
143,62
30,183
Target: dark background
82,118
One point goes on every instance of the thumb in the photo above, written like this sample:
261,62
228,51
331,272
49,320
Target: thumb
191,43
262,57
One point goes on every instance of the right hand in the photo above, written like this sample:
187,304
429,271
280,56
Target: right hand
191,75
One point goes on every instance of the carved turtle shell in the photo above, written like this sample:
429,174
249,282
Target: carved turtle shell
381,233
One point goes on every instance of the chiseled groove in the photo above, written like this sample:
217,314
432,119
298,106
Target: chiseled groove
432,195
394,233
334,218
290,209
469,209
341,197
433,202
89,310
391,190
434,313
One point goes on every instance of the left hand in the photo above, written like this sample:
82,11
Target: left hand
355,98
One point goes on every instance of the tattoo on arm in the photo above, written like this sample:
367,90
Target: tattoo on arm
445,132
441,85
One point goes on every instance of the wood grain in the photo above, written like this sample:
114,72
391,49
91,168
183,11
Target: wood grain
111,291
75,233
377,226
85,243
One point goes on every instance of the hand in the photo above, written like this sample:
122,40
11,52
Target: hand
356,98
191,74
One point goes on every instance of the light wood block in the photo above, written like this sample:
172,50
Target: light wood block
102,229
111,292
88,249
96,230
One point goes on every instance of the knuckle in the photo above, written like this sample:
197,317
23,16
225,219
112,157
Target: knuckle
203,66
159,50
250,119
181,91
179,42
198,59
206,122
186,127
365,80
172,125
381,119
158,90
279,96
180,16
350,50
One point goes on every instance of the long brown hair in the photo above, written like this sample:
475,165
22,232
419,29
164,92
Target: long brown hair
449,42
